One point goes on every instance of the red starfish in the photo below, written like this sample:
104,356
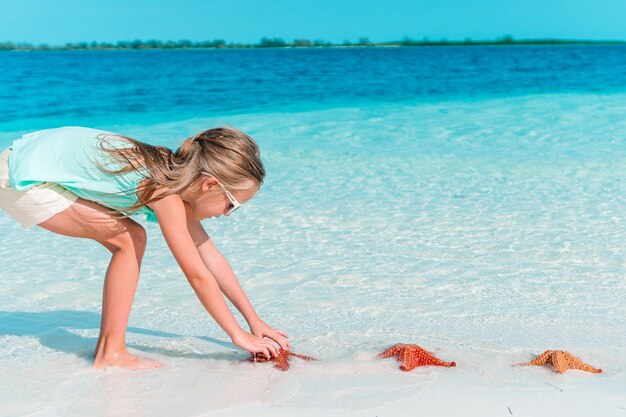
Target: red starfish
561,361
411,356
281,361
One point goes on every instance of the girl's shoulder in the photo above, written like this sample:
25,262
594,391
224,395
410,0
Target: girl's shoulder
66,139
69,131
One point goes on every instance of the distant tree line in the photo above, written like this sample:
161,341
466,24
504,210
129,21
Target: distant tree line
266,42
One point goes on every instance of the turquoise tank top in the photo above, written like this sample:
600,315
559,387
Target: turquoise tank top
67,156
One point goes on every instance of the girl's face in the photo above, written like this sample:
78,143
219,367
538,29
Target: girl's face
209,199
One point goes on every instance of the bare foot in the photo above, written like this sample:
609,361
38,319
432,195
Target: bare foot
128,361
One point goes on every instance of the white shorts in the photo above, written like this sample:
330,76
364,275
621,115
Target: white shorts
35,205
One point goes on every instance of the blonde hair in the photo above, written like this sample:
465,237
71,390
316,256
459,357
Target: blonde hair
226,153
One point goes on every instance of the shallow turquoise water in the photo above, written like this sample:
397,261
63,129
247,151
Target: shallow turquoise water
487,229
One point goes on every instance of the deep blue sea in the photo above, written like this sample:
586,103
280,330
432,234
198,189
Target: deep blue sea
204,83
468,199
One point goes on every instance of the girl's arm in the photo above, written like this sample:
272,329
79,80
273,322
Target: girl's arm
171,214
223,273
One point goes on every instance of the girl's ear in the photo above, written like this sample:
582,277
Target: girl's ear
208,183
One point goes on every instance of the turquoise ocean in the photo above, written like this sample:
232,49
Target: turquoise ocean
468,199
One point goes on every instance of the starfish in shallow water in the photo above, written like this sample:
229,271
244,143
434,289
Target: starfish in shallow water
561,361
411,356
281,361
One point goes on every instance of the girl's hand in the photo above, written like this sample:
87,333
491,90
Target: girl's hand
262,329
254,344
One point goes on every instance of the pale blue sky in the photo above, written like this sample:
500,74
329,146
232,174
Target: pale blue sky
60,21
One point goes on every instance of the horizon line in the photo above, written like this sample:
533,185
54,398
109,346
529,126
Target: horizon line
277,42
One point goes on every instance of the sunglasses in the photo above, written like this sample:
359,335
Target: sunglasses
234,204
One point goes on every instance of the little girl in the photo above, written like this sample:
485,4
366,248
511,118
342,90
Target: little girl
84,183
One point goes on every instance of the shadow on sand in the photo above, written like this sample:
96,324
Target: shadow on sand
51,328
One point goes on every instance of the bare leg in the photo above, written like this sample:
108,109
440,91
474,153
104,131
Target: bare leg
126,240
120,284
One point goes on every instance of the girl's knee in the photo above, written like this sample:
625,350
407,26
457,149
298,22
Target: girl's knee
132,237
139,237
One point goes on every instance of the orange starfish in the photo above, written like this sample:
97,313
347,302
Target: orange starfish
561,361
281,361
411,356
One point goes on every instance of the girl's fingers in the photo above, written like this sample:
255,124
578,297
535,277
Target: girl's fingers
273,350
266,353
282,342
283,334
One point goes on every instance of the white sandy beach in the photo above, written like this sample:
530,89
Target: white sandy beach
215,383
